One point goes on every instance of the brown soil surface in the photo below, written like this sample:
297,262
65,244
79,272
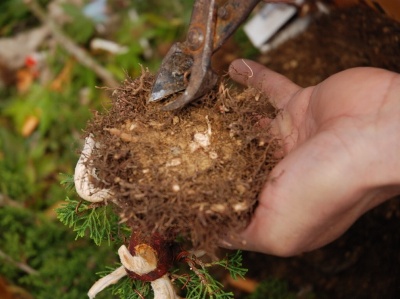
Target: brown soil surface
365,261
195,173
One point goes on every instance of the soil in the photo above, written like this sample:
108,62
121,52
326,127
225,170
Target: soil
365,261
193,173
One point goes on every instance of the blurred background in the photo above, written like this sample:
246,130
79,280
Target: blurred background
53,57
56,57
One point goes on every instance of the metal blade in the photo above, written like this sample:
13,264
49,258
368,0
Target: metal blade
173,75
187,65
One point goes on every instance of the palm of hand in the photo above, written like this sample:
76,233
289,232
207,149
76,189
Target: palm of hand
336,165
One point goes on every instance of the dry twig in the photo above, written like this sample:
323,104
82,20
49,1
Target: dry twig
70,46
24,267
6,201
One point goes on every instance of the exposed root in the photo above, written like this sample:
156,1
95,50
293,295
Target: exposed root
196,173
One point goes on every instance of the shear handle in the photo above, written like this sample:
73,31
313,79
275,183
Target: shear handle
231,15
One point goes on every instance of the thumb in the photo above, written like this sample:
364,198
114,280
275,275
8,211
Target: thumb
307,201
276,86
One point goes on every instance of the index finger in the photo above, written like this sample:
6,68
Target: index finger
276,86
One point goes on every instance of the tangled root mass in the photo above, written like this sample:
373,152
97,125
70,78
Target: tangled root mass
194,173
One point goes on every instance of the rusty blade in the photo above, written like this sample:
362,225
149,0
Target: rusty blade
173,74
200,46
187,66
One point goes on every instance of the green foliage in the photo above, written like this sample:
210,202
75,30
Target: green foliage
14,182
274,288
29,171
15,15
67,181
100,222
176,8
64,267
200,283
144,34
247,49
203,285
102,225
233,264
127,288
82,28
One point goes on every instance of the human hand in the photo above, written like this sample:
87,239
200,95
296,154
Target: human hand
340,149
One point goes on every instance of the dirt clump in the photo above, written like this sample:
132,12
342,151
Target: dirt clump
193,173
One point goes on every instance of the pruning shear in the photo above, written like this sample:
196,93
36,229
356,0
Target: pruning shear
187,65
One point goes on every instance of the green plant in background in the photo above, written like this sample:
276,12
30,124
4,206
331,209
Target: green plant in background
62,113
273,288
196,284
59,266
15,16
50,149
126,287
201,284
82,218
43,258
82,28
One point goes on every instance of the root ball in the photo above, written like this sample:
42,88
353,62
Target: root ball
194,173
